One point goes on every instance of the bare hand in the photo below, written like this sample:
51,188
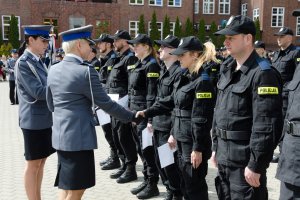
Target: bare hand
252,178
172,142
140,114
213,159
150,128
196,159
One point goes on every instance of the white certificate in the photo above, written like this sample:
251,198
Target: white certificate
124,101
103,117
146,138
166,155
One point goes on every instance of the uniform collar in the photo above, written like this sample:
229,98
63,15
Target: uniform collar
146,60
247,65
288,49
74,56
34,56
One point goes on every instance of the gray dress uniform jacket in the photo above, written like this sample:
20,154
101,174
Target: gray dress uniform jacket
33,110
69,98
10,68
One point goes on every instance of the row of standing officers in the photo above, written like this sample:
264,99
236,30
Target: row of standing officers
178,100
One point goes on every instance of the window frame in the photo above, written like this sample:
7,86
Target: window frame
255,14
157,5
277,15
7,25
244,9
297,26
224,3
209,4
196,6
136,2
136,29
174,2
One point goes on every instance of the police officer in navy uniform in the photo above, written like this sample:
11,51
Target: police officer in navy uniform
247,118
285,60
10,70
289,165
142,94
162,124
35,119
74,134
107,57
192,103
93,60
117,83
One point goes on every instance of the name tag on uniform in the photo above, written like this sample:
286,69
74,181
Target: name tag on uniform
267,90
109,68
203,95
97,68
213,70
130,66
153,75
298,59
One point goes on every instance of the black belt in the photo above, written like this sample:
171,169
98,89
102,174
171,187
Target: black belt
182,113
293,128
233,135
116,85
138,92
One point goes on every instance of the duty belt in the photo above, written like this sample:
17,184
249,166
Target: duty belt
233,135
138,92
293,128
182,113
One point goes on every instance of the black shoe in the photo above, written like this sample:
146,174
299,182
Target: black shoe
139,188
275,158
12,103
151,190
114,163
117,173
103,162
169,195
129,175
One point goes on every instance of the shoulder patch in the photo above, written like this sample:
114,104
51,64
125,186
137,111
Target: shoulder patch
298,59
298,48
152,60
152,75
203,95
205,76
263,63
130,54
129,67
113,55
267,90
24,57
109,68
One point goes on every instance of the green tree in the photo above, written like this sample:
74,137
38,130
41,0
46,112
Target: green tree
8,48
201,31
213,29
189,30
142,25
2,49
167,27
154,33
177,29
13,36
257,27
102,27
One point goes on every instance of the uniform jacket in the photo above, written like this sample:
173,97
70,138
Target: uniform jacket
142,84
192,102
249,103
69,98
213,70
289,163
10,68
120,70
165,87
33,110
96,64
105,68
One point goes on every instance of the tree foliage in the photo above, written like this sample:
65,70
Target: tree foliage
141,28
13,36
154,33
257,27
201,31
189,30
166,27
177,28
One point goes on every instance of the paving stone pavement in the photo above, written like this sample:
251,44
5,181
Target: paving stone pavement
12,165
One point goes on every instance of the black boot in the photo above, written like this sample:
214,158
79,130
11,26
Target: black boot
169,195
119,171
103,162
113,154
139,188
128,175
151,190
113,163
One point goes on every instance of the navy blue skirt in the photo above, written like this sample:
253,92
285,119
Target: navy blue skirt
37,143
76,170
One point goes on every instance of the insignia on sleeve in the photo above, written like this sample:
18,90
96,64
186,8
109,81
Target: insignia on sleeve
97,68
267,90
153,75
109,68
203,95
130,67
298,59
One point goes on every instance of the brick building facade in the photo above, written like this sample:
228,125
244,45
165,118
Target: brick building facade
124,14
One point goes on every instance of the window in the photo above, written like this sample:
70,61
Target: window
255,14
244,9
172,28
5,26
196,7
277,17
208,6
133,28
224,7
53,22
219,27
159,26
175,3
155,2
207,27
298,26
136,2
75,22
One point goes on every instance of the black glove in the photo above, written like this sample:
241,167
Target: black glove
137,120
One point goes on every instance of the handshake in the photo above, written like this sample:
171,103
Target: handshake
139,116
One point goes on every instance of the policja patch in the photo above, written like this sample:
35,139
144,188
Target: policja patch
267,90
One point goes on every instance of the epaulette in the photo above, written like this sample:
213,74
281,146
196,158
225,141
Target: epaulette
130,54
205,76
183,70
113,55
152,60
263,63
298,48
24,57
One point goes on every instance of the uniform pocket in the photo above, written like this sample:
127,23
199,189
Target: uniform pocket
237,99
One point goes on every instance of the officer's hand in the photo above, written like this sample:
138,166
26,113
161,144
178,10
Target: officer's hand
252,178
140,114
150,128
213,159
196,159
172,142
137,118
